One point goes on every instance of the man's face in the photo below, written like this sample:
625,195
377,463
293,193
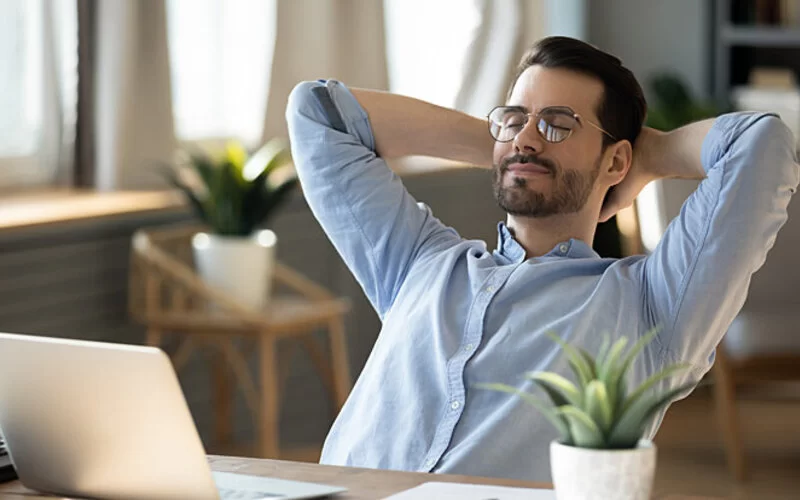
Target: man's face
536,178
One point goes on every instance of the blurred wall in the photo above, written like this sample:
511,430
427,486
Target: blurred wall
653,35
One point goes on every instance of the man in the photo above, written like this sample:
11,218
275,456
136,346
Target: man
456,315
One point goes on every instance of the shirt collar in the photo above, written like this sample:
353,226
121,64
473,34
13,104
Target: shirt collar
510,249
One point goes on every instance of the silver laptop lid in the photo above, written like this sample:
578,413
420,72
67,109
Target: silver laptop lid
100,420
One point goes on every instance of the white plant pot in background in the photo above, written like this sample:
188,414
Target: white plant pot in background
242,267
588,474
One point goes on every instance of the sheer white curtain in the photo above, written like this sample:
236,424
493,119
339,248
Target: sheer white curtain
221,57
460,53
133,110
38,90
342,39
427,44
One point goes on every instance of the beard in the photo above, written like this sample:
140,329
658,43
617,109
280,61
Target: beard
570,192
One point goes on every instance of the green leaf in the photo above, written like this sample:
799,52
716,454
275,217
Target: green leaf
264,161
549,413
576,361
235,155
585,433
200,208
651,381
227,195
269,203
616,376
631,425
637,348
598,406
607,369
589,361
601,354
204,167
610,363
618,400
555,383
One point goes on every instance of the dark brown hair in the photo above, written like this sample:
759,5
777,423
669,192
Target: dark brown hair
623,107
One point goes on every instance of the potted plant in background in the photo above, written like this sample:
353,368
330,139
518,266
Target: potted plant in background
235,195
601,453
673,104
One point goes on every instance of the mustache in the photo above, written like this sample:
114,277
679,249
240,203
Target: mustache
518,158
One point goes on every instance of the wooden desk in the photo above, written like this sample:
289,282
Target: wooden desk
362,484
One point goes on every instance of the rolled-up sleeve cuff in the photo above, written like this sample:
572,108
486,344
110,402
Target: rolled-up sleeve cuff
329,104
726,129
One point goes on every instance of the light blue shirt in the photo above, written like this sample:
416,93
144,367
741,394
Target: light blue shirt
455,314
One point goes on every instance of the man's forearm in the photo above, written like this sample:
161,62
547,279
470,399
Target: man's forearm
404,126
677,154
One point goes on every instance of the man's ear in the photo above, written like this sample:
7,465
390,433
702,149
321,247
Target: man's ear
619,162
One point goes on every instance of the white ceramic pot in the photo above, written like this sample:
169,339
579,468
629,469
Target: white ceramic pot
242,266
586,474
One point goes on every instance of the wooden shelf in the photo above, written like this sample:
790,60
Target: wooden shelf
761,36
59,206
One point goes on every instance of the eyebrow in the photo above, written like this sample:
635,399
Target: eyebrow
524,109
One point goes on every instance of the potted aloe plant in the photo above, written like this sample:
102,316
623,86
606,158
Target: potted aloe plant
601,452
235,195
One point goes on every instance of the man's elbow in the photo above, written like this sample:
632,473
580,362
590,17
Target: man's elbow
303,107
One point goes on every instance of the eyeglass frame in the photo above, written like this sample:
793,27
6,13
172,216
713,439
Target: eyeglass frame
565,110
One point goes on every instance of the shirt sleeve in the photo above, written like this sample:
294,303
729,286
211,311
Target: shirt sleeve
696,280
374,223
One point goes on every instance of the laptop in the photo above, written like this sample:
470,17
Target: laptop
103,420
7,472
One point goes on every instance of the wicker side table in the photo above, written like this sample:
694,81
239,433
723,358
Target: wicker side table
170,299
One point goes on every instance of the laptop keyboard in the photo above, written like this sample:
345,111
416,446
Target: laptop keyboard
7,472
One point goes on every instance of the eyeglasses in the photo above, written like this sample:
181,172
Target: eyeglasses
555,123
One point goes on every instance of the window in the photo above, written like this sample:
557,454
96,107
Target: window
38,89
652,221
220,58
427,43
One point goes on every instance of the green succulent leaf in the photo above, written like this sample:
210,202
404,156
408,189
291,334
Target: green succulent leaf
637,348
549,413
631,425
585,432
597,412
606,372
272,155
615,377
650,382
239,193
565,391
598,406
618,400
578,364
589,361
611,363
197,204
601,354
204,166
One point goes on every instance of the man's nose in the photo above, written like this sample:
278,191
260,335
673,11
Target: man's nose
528,140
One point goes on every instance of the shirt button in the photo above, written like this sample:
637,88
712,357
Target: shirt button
468,348
490,288
429,463
562,248
455,405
